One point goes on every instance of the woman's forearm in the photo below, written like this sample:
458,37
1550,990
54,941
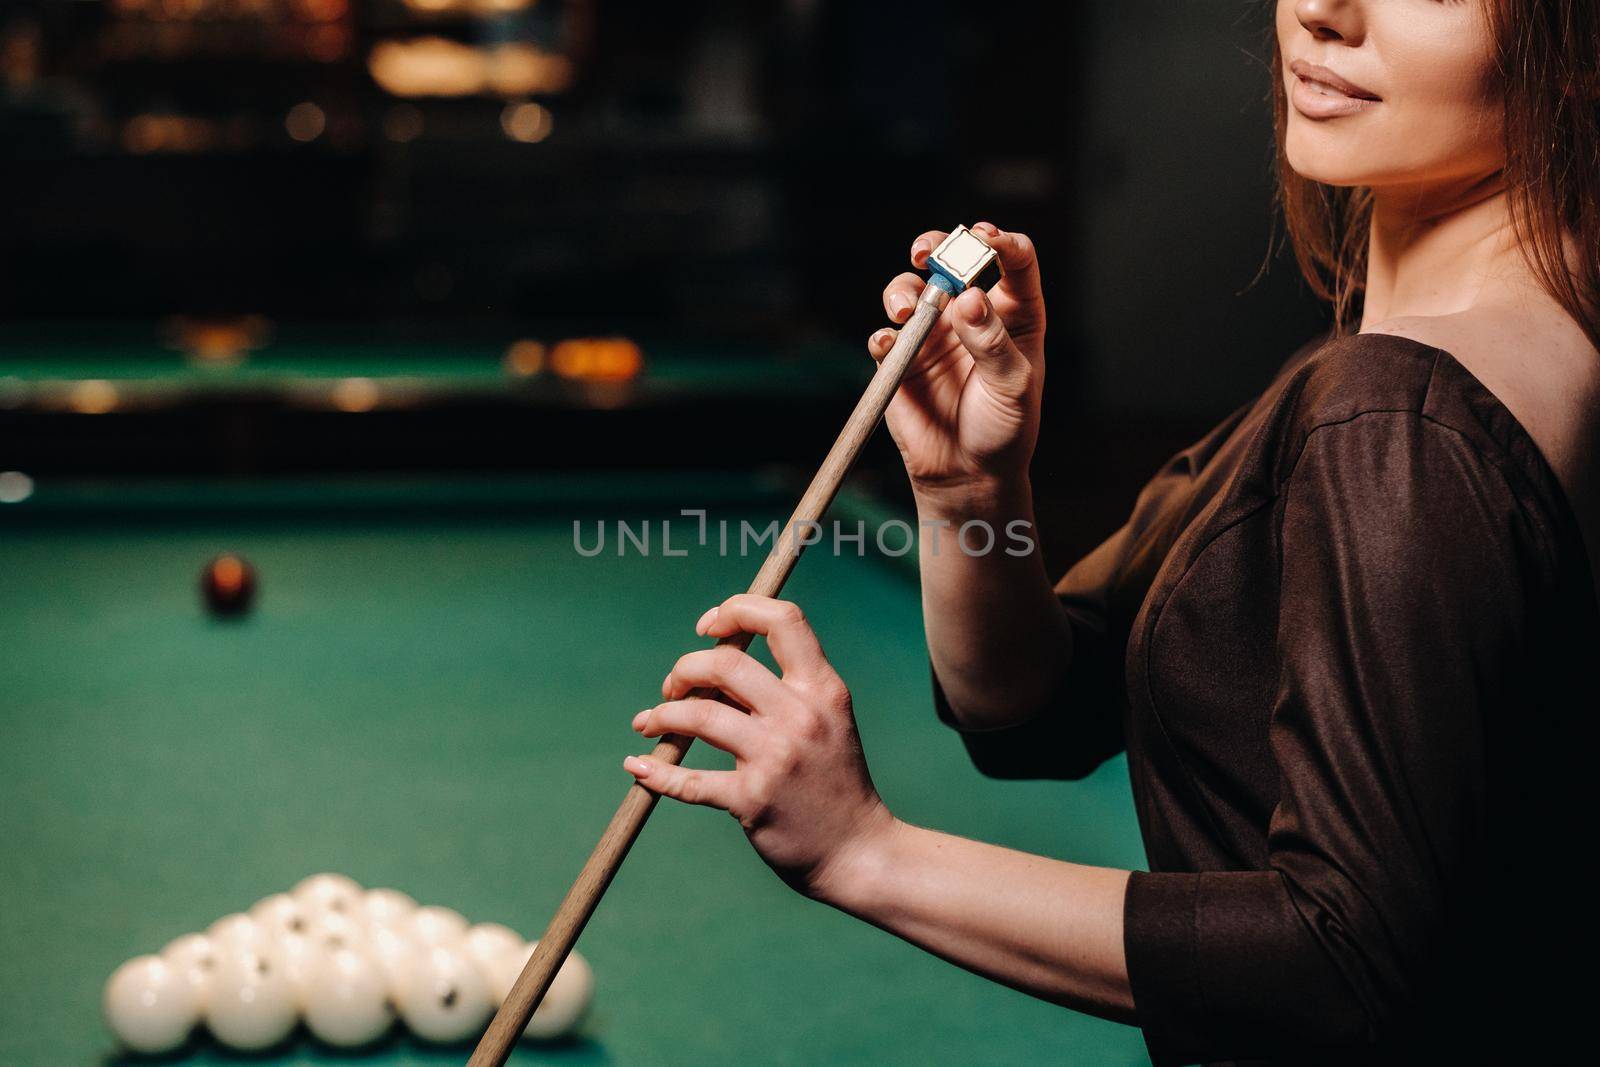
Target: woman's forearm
997,635
1049,928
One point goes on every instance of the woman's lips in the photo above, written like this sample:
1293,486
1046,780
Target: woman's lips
1319,93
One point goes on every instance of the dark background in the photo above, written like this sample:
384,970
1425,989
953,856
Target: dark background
739,175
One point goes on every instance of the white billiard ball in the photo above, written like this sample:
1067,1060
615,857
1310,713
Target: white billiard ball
149,1006
565,1003
395,953
252,1003
299,955
236,931
194,957
433,925
487,942
347,1000
443,998
388,907
329,892
280,914
332,930
502,971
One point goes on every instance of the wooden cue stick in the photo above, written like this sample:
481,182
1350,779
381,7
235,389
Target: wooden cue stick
581,900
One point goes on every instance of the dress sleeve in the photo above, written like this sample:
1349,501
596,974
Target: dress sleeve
1408,563
1080,725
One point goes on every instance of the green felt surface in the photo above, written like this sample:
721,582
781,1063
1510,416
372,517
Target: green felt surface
437,698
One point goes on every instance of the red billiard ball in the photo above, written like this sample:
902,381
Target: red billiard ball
228,584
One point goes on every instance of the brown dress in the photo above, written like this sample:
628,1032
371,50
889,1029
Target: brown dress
1347,640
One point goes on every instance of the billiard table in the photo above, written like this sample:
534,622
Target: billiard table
141,397
433,692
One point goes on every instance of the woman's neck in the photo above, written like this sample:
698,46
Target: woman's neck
1433,250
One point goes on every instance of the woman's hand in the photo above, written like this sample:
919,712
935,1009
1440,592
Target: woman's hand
801,791
799,786
967,413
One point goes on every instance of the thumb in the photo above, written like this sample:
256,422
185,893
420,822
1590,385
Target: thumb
998,361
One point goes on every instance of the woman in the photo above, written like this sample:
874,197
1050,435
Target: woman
1343,638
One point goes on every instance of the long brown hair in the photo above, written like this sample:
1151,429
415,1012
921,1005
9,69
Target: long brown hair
1548,64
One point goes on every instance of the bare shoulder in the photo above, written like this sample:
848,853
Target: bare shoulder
1541,366
1536,360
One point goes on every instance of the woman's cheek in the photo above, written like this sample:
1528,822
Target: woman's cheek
1447,83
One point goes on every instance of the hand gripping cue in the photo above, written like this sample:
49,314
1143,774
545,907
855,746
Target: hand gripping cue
962,260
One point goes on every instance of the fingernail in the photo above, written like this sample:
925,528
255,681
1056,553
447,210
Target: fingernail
919,249
703,627
898,305
977,310
666,685
639,719
883,338
987,227
637,766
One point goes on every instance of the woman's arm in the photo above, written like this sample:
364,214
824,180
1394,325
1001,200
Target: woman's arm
1049,928
965,420
997,635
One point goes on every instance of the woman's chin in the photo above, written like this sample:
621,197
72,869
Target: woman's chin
1328,167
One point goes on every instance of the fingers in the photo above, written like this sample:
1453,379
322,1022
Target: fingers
940,343
1015,251
995,356
712,789
924,245
900,295
1018,259
878,344
733,672
709,720
793,642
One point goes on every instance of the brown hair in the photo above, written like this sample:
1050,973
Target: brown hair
1548,63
